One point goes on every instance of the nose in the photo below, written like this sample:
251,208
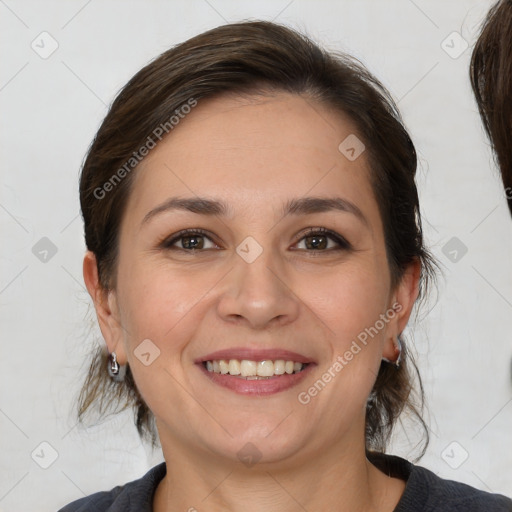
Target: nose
257,294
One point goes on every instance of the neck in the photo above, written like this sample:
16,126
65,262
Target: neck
338,479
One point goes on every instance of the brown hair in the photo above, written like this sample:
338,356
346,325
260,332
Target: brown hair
491,79
244,58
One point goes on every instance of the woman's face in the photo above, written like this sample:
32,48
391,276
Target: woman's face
260,282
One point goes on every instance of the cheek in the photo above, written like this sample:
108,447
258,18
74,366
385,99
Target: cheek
161,303
351,307
157,311
350,300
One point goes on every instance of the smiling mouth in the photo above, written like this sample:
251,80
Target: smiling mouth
254,370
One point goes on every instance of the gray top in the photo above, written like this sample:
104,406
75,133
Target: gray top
424,492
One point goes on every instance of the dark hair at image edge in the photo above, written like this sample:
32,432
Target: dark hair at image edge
491,79
246,58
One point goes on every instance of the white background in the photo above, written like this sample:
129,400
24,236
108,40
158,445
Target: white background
51,109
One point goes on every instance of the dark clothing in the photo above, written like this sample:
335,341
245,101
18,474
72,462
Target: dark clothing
424,492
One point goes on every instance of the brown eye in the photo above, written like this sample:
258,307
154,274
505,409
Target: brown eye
321,239
317,242
192,242
189,240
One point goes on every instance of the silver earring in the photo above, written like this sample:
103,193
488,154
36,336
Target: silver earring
113,365
398,348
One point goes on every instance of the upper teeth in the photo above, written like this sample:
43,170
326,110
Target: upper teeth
246,368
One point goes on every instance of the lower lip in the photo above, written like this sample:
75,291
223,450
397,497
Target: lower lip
257,387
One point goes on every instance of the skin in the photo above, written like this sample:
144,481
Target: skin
255,153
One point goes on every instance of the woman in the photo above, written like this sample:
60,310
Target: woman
254,254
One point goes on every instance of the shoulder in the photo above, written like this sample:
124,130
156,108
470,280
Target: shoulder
426,492
132,496
440,494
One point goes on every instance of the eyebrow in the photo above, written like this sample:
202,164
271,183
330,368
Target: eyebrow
298,206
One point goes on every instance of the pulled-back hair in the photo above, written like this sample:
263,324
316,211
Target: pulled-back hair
245,58
491,79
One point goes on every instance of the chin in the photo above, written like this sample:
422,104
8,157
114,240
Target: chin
258,445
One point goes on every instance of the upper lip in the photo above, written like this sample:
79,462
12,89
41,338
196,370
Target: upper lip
255,355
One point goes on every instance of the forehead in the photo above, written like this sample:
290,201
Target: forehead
251,150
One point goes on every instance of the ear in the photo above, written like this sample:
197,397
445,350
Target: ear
402,301
107,311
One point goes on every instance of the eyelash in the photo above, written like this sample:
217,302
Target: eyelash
343,245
